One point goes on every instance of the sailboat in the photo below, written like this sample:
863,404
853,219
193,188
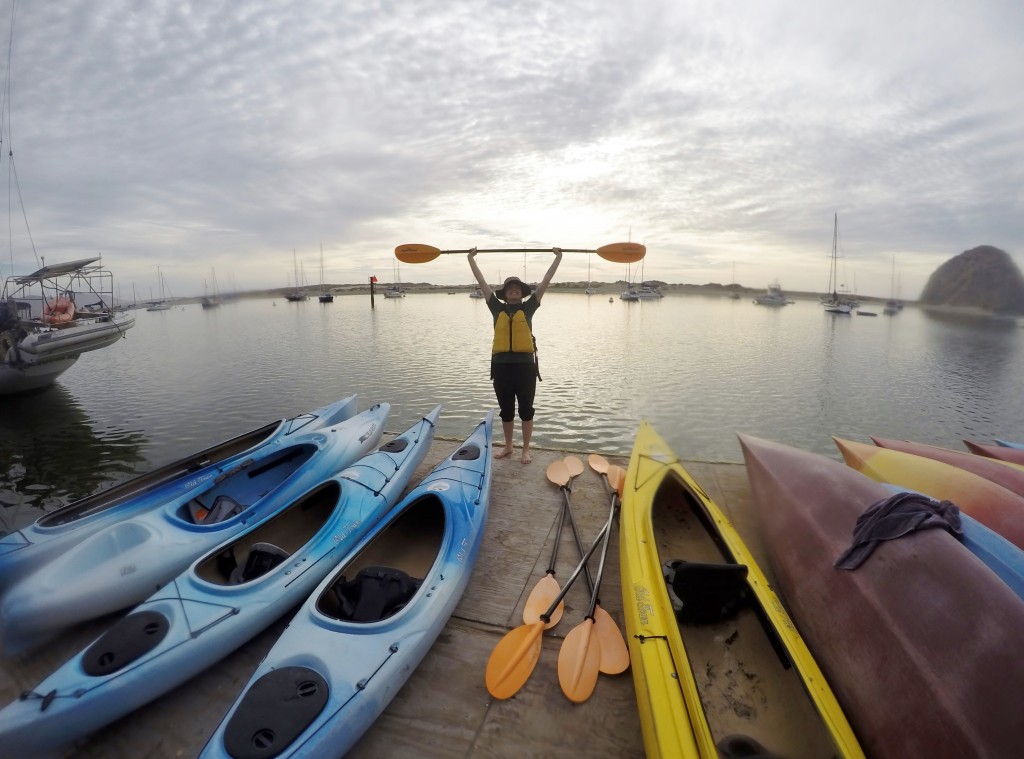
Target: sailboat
211,301
590,284
297,294
160,304
831,301
395,290
734,293
325,296
892,306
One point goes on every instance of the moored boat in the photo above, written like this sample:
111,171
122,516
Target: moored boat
124,563
26,549
50,317
222,600
718,665
993,505
920,643
363,631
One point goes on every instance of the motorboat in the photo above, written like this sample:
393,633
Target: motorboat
51,317
773,296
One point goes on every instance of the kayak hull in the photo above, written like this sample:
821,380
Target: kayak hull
1002,473
25,550
124,563
211,609
901,638
790,711
357,667
993,505
1000,452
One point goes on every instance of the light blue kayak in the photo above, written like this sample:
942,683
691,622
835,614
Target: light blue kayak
1008,444
225,598
125,563
25,550
996,552
359,637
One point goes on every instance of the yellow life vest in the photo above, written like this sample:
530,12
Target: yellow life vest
512,335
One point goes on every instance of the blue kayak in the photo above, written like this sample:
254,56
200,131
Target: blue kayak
996,552
1008,444
225,598
363,631
124,563
25,550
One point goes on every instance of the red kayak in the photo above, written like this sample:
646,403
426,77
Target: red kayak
921,643
1001,452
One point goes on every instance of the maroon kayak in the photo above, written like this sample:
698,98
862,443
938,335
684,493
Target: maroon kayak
921,643
1000,452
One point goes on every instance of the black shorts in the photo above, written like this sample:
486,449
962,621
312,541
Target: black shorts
515,383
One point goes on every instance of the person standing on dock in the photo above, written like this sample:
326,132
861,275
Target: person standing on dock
514,368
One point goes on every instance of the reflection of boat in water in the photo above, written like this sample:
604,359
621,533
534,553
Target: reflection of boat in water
47,470
772,296
51,317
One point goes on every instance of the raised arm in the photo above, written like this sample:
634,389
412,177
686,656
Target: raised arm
485,289
543,286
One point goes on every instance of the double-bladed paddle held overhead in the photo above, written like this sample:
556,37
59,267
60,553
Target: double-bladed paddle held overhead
616,252
614,654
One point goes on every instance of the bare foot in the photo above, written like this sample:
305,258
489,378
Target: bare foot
502,453
527,458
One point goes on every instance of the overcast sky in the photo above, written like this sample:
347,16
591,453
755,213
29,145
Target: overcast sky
221,136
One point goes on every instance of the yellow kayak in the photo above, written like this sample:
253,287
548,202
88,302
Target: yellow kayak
718,666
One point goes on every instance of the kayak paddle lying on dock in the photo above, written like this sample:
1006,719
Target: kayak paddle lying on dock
225,598
124,563
24,550
364,630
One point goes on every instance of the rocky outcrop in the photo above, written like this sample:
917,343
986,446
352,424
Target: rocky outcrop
983,277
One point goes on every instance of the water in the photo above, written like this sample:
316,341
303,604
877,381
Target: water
699,368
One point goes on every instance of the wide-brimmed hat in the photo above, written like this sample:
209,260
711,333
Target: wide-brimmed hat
513,280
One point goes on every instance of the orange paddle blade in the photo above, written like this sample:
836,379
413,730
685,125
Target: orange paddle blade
512,660
616,478
539,601
598,463
622,252
614,653
579,661
574,465
558,473
412,253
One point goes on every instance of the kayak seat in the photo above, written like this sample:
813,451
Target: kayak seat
707,593
374,594
224,507
261,559
739,746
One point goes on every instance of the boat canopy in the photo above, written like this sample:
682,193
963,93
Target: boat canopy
55,270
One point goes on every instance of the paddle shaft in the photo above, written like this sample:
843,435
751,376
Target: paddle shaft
576,572
558,539
576,538
604,554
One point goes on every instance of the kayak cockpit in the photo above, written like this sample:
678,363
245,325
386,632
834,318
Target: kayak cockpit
386,574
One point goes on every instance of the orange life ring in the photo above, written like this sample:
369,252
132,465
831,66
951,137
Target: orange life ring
58,310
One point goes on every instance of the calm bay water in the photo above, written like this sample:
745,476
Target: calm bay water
699,368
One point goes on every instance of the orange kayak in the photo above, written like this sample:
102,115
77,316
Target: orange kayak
993,505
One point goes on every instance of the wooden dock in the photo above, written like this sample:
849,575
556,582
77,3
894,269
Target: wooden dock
444,710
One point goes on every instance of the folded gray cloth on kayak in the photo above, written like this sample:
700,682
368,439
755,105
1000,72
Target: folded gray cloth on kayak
894,517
